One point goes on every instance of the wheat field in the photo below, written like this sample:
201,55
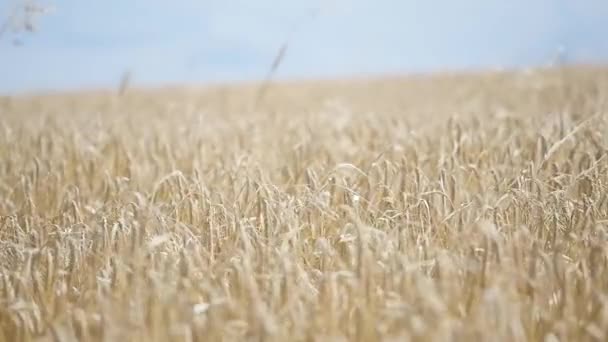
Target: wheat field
455,207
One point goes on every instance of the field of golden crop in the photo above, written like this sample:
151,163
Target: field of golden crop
448,208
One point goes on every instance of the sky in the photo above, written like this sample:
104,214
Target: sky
91,43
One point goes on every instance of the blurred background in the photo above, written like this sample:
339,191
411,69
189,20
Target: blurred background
91,44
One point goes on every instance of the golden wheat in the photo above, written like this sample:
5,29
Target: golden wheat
450,208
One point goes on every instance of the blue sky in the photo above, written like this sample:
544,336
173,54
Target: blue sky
90,43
